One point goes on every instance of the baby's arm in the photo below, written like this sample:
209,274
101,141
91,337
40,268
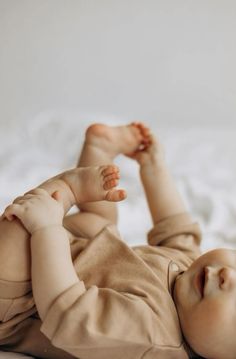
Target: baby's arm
162,195
52,269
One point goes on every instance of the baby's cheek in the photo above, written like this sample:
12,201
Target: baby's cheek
208,326
206,320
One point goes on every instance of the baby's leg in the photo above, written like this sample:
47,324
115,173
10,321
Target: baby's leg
102,144
15,263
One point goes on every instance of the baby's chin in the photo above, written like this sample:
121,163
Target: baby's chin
183,292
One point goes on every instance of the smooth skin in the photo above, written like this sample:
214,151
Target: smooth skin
209,321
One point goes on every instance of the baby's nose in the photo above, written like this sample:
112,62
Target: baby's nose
227,278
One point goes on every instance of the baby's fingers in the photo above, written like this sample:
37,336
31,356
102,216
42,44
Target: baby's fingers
11,211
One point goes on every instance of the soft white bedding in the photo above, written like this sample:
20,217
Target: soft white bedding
202,161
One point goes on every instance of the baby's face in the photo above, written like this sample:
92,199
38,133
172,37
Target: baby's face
205,297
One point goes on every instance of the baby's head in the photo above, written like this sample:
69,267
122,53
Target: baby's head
205,297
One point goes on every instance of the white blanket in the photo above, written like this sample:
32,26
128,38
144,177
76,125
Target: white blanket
202,160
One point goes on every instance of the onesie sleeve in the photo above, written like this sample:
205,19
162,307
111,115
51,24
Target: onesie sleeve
177,232
99,323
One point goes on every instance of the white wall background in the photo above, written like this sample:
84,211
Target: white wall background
171,61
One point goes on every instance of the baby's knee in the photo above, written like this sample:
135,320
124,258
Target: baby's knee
85,224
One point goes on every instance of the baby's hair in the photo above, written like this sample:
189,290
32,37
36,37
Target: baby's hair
195,356
192,354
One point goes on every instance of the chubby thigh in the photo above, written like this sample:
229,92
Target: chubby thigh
15,254
15,261
19,320
15,257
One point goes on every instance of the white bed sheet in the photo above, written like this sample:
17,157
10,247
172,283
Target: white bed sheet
202,161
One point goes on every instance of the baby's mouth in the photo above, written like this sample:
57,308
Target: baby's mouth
199,281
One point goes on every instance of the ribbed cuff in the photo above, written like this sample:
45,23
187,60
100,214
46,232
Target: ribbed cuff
55,313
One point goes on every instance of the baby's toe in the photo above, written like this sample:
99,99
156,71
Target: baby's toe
143,130
115,175
110,169
110,184
116,195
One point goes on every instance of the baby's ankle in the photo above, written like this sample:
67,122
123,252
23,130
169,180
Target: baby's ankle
66,192
66,195
152,162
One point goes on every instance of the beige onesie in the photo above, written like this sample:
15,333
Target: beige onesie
121,308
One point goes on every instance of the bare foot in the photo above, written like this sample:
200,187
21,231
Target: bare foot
117,140
91,184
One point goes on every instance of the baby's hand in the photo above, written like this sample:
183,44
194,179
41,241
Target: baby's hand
36,210
151,151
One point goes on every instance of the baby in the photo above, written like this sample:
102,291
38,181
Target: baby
94,297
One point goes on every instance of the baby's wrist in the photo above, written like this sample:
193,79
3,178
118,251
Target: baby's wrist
47,228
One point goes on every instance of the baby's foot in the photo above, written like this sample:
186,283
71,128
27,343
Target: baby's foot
117,140
152,150
91,184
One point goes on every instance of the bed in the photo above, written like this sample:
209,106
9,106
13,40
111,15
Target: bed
202,160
